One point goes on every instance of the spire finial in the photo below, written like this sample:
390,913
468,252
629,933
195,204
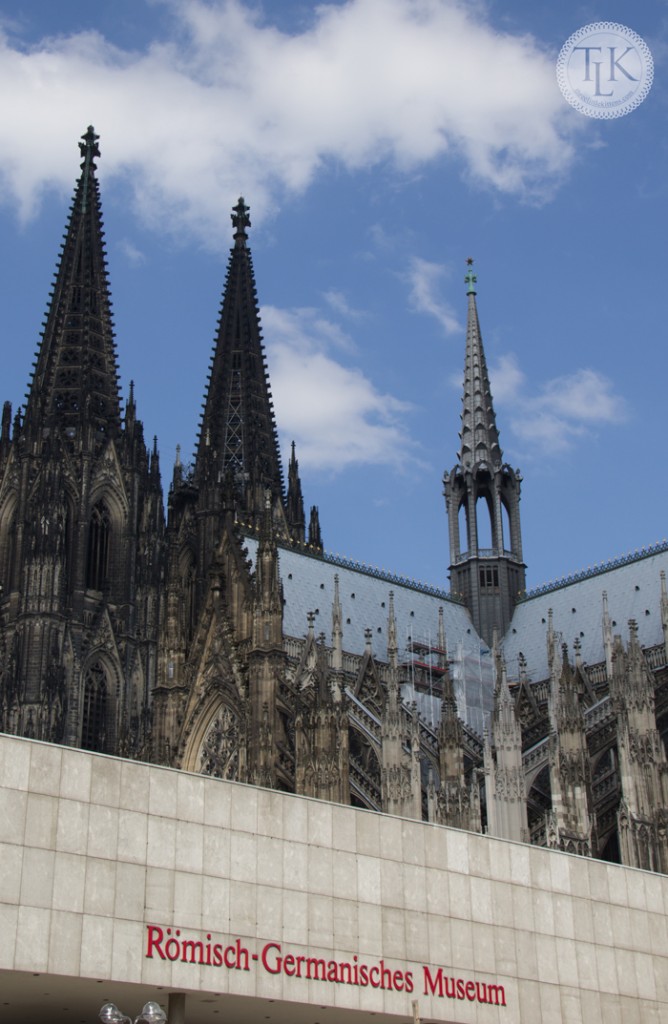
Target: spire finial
89,148
470,278
240,221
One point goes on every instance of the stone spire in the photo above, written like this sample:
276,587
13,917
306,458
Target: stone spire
479,436
643,767
457,800
238,442
664,614
337,629
74,387
606,626
504,775
486,565
80,547
401,791
569,824
295,502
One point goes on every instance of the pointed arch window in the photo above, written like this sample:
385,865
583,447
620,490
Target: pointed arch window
7,548
188,578
99,541
94,719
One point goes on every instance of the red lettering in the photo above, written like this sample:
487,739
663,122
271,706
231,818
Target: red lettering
461,991
344,974
154,941
192,947
217,955
409,981
288,965
230,956
364,975
242,963
433,985
398,979
271,966
470,991
496,991
316,969
300,961
172,949
376,971
386,975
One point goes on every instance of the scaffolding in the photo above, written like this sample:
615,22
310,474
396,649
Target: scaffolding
424,664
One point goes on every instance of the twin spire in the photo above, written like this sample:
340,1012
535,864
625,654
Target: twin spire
74,387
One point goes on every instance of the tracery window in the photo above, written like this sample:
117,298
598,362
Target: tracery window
220,749
94,719
99,537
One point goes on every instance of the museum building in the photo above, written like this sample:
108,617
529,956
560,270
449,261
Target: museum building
127,882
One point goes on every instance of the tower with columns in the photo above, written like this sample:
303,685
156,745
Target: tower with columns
482,499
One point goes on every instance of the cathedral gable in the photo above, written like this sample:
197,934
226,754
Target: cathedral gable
108,482
368,687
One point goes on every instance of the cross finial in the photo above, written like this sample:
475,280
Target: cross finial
470,278
241,221
89,148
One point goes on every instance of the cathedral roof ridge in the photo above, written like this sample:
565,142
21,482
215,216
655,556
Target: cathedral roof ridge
596,570
356,566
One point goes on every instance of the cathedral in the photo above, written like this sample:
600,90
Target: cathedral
211,631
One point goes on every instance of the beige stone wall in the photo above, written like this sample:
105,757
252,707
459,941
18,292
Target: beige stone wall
92,849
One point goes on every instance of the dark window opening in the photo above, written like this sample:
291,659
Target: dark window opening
94,723
99,535
489,577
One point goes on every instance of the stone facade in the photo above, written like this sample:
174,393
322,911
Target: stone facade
104,860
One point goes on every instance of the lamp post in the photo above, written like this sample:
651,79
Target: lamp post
152,1013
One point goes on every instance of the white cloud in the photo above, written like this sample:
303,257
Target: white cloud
340,305
506,380
230,104
564,409
424,278
333,412
133,255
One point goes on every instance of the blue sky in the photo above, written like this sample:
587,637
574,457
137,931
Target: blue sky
378,143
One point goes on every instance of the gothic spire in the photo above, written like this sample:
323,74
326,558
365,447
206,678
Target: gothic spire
486,564
295,502
238,440
479,436
74,386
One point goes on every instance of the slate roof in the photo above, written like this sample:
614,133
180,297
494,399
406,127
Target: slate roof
633,586
308,586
